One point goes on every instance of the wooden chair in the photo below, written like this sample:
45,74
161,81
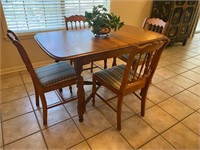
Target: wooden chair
155,25
48,78
151,24
123,79
74,23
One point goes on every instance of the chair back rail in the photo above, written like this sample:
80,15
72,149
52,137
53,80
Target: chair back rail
155,25
142,73
75,22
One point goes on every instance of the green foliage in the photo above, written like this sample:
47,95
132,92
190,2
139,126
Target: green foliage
99,18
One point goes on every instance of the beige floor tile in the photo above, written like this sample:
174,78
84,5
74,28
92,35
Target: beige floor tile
189,99
186,64
181,55
182,81
17,92
158,119
11,81
197,70
105,93
182,138
193,122
194,61
156,95
55,115
159,143
72,108
66,92
176,68
62,136
30,88
156,78
21,106
169,87
135,104
51,98
89,105
111,115
26,78
195,89
94,122
171,59
19,127
190,46
192,76
165,73
32,142
163,63
81,146
177,109
109,139
136,131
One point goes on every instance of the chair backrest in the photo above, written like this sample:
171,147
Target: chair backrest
155,25
75,22
141,74
12,36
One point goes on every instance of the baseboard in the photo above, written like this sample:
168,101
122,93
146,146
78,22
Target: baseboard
21,68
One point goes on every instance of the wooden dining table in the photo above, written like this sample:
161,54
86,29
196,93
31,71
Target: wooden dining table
82,47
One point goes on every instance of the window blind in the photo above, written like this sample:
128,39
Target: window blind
24,16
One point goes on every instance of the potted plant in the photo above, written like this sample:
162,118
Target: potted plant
101,21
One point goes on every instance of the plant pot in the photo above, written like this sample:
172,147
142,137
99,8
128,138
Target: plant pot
102,31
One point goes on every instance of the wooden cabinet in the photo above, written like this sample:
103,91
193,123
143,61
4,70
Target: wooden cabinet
180,15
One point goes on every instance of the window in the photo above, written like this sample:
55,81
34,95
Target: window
24,16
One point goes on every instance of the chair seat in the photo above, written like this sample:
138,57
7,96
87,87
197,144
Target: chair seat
124,57
55,73
113,76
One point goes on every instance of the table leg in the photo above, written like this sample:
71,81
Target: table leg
80,92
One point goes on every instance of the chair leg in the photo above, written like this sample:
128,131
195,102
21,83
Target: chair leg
36,98
60,90
71,62
70,88
143,100
105,63
44,107
93,90
114,62
119,111
92,64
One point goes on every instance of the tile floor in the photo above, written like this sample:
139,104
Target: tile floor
172,119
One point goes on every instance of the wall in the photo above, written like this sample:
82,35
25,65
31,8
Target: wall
132,12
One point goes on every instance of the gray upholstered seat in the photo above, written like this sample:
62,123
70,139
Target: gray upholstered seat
54,73
113,76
